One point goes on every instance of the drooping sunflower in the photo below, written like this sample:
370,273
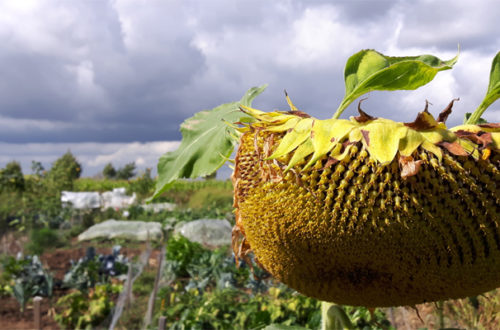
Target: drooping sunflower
365,211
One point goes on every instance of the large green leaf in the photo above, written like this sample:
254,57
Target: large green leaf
206,144
369,70
492,94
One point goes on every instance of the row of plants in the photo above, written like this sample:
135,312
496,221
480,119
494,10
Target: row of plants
208,291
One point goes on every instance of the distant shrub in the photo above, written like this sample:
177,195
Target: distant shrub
126,172
11,177
101,185
42,239
109,171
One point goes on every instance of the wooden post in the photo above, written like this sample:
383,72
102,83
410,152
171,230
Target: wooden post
151,303
162,322
36,310
128,288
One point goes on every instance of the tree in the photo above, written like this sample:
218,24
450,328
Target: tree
11,177
64,171
109,172
126,172
37,168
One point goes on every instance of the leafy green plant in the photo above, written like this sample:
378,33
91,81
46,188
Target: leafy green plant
235,309
95,269
27,278
180,254
87,310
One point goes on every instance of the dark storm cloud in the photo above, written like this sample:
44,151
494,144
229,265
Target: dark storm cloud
121,71
101,75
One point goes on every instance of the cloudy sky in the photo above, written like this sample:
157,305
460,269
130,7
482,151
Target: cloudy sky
111,80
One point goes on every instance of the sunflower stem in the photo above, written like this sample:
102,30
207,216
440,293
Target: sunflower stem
341,109
476,115
326,322
334,317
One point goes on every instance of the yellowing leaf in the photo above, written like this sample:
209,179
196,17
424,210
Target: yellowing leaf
382,140
289,124
326,134
409,143
292,140
434,149
438,135
300,154
290,104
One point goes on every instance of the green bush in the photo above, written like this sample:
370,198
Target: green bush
42,239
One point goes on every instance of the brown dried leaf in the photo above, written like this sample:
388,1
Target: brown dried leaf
409,166
454,147
490,125
446,111
481,138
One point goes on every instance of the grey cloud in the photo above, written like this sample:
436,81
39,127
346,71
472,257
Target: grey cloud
444,24
119,71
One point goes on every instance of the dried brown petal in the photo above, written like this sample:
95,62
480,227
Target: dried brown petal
490,125
366,135
481,138
454,147
299,113
423,121
409,166
446,112
331,161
